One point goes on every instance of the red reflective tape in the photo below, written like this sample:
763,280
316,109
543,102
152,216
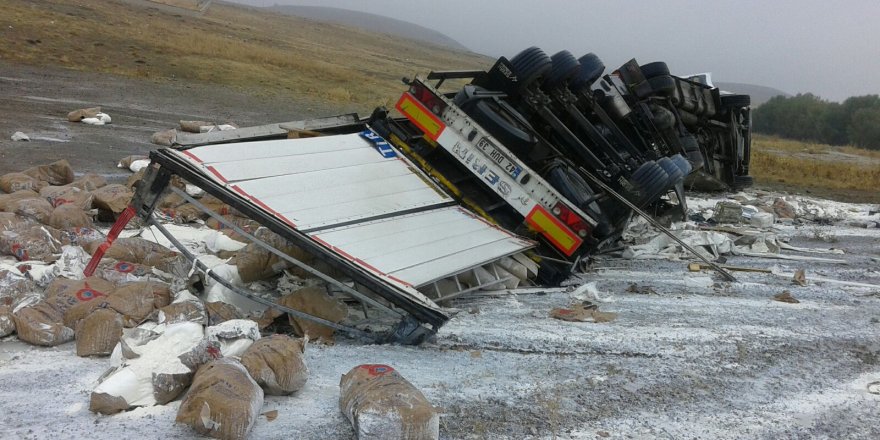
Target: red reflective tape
191,156
216,173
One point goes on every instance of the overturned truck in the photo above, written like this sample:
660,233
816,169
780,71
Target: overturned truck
515,177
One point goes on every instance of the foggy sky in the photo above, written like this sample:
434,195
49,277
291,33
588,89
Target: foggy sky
831,49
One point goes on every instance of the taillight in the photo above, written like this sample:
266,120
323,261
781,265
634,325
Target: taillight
572,220
428,98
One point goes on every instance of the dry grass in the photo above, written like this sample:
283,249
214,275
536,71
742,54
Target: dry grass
797,163
229,45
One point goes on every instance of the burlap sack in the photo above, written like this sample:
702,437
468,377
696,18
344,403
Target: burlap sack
34,242
98,333
223,401
244,223
138,300
113,198
7,324
12,182
41,324
7,199
63,195
79,115
56,173
219,312
135,178
89,182
165,137
126,161
316,302
88,238
64,294
277,364
186,213
69,216
194,126
138,250
233,337
36,208
170,201
187,310
382,405
120,272
11,220
13,286
256,263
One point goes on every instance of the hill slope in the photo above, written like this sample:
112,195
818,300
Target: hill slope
371,22
229,46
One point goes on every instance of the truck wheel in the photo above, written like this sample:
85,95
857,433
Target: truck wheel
591,69
506,125
662,85
682,164
692,149
657,68
565,67
529,65
672,169
664,119
735,101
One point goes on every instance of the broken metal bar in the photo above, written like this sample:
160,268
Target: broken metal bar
250,295
342,286
657,225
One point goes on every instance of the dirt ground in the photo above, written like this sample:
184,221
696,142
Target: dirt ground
691,357
36,101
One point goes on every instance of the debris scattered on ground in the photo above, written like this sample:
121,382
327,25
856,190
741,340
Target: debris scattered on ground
382,405
271,415
19,136
642,290
98,119
582,312
80,114
874,387
800,277
165,137
785,297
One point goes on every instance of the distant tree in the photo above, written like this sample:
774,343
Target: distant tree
809,117
864,128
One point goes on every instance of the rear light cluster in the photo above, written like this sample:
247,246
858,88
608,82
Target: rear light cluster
428,98
572,220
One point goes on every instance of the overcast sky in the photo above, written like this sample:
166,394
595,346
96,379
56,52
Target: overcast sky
830,48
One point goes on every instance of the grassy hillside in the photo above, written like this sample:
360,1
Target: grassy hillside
229,45
846,173
371,22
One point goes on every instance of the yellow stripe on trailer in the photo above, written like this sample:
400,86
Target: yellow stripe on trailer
416,112
557,233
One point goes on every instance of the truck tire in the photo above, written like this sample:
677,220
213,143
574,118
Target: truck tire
529,65
591,69
506,125
657,68
663,85
565,67
692,149
735,101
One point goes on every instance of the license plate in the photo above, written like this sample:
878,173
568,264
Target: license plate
486,146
